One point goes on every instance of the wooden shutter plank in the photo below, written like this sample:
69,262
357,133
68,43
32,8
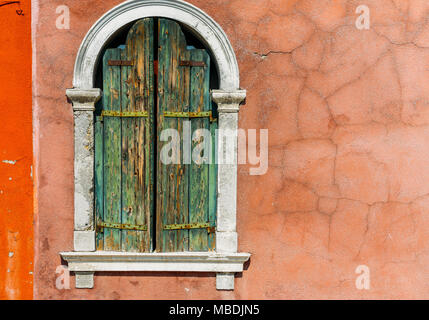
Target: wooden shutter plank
137,95
98,174
112,150
213,171
173,95
150,142
199,173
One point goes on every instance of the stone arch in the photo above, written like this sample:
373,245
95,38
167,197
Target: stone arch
204,27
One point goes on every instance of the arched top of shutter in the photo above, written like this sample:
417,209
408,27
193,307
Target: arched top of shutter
202,25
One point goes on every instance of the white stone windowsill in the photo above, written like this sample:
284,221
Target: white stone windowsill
159,262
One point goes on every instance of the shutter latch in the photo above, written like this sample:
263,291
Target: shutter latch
124,114
202,114
122,226
120,63
187,226
187,63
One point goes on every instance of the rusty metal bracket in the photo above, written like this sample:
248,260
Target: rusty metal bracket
122,226
202,114
186,63
124,114
188,226
120,63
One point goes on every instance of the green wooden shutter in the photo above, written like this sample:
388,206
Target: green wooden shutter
186,192
199,173
112,151
127,131
172,179
138,136
124,154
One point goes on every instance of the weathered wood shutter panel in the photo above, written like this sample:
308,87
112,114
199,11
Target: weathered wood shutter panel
137,136
199,172
128,155
112,151
99,169
186,192
213,172
172,179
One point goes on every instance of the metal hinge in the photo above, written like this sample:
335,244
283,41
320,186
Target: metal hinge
124,114
203,114
186,63
122,226
188,226
120,63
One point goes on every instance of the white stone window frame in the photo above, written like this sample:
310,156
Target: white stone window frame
84,261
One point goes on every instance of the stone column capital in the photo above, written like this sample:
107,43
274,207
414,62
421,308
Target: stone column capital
228,101
83,100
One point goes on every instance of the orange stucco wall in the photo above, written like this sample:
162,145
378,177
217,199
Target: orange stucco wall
16,158
348,178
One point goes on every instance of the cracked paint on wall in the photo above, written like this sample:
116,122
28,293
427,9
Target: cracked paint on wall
348,118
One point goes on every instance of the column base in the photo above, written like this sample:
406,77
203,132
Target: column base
225,281
84,280
84,241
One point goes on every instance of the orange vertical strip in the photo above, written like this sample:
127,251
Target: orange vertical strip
16,155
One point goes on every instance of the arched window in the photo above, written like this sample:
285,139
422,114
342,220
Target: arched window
161,216
152,194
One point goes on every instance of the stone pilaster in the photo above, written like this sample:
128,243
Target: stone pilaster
226,234
83,110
